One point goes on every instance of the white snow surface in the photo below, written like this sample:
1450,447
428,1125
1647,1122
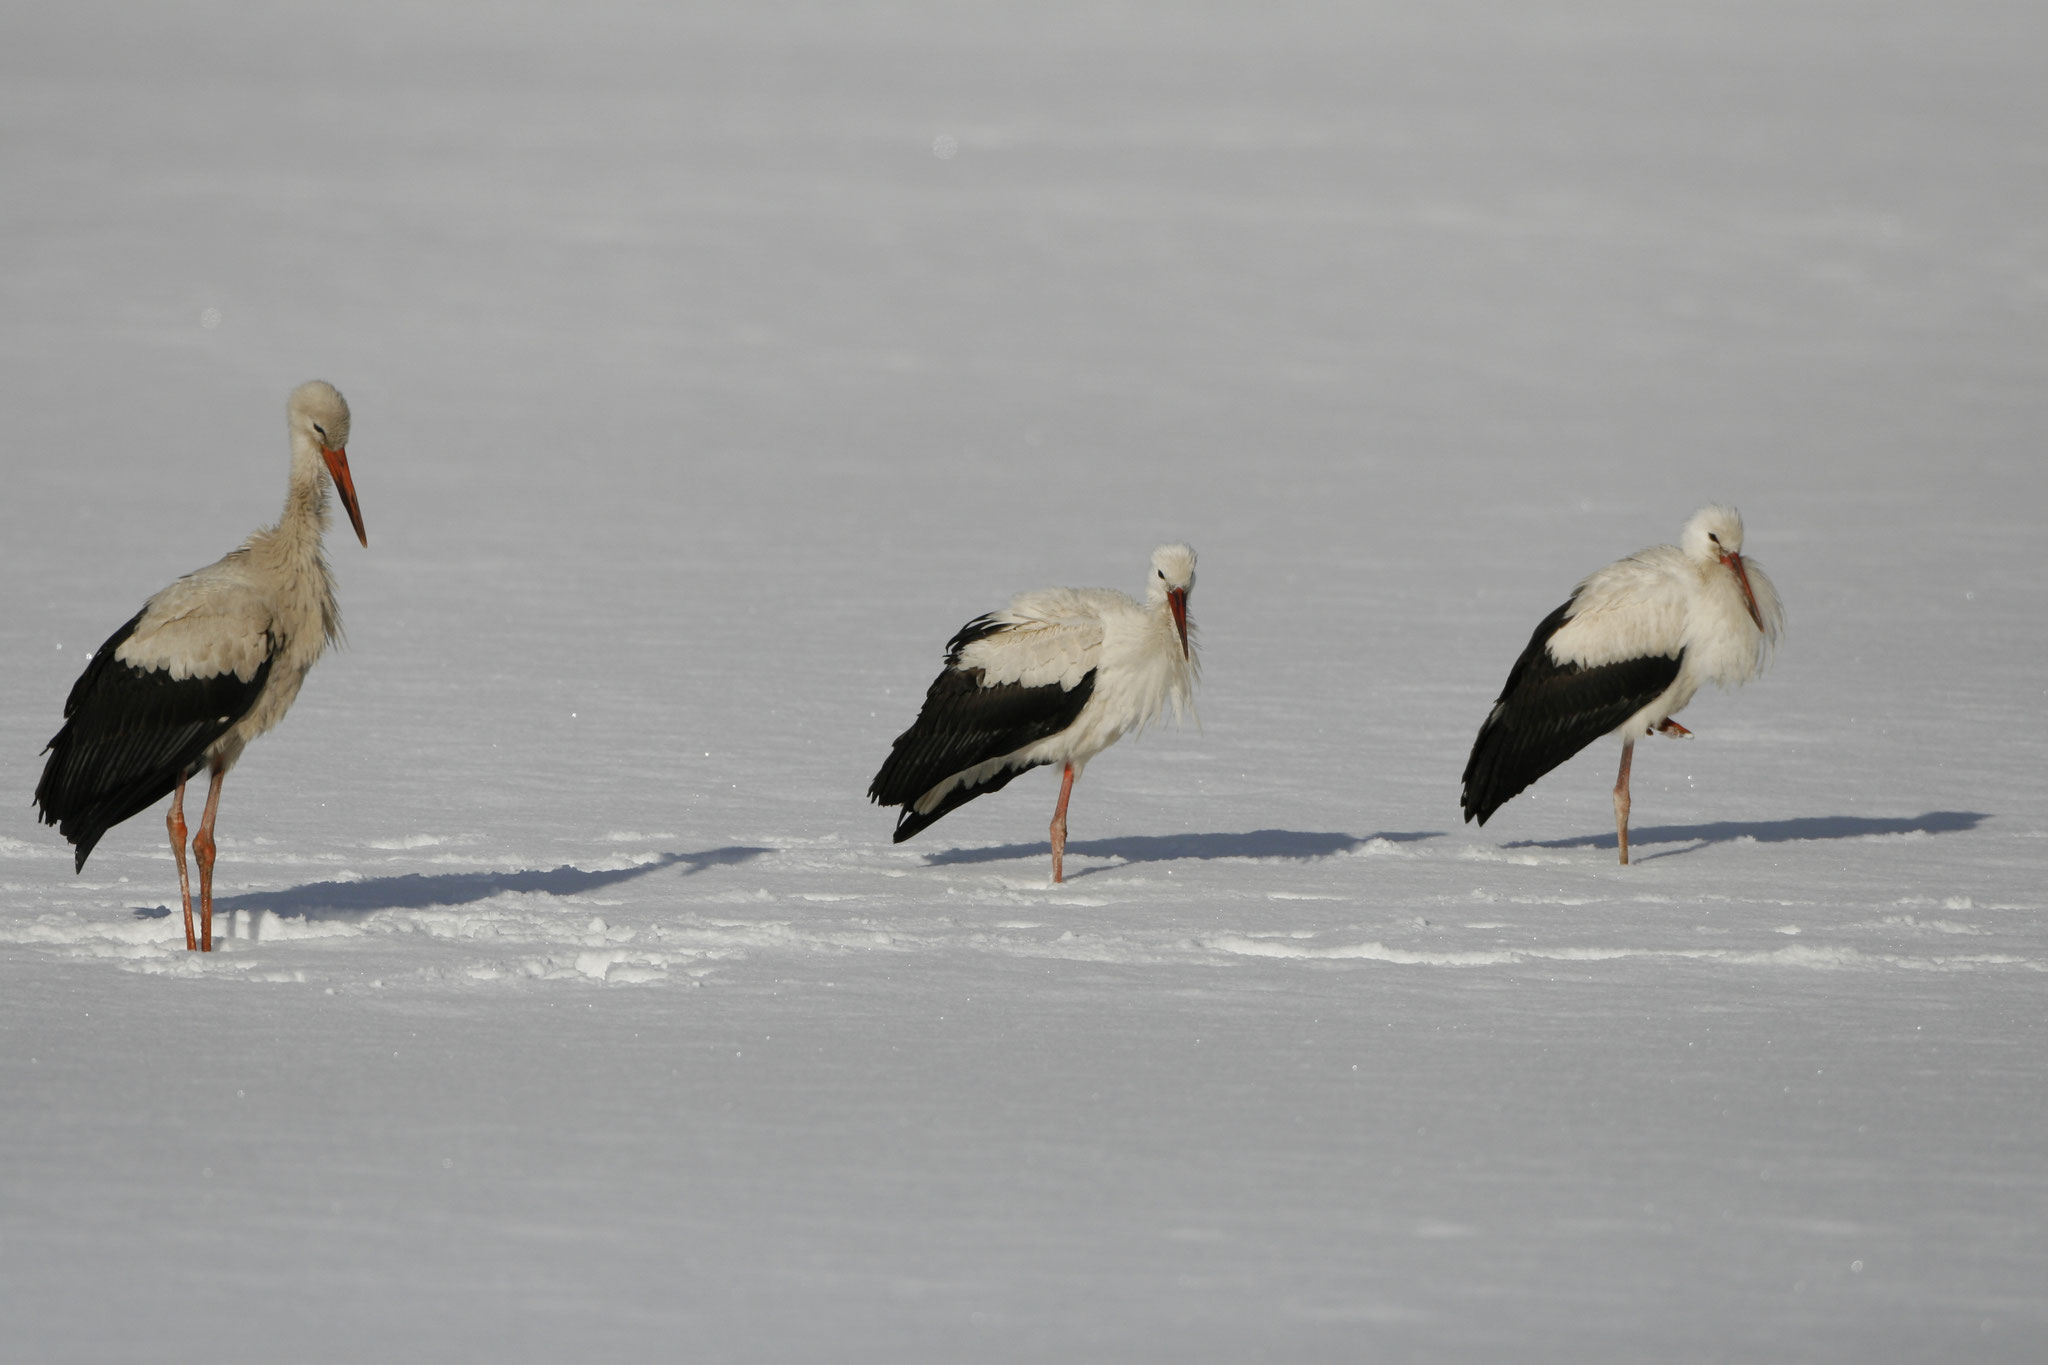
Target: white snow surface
711,364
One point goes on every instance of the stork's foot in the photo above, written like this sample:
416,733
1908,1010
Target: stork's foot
203,850
1628,749
1059,827
175,822
1667,726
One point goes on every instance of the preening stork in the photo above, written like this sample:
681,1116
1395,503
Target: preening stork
1623,656
207,665
1056,677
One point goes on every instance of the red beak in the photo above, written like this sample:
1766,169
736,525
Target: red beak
337,465
1734,561
1177,599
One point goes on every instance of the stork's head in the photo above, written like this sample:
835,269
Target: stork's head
1173,578
317,414
1714,536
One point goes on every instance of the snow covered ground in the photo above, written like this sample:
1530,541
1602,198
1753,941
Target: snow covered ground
712,363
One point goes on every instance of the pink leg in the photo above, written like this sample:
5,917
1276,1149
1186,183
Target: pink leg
175,821
1059,824
202,848
1668,726
1628,749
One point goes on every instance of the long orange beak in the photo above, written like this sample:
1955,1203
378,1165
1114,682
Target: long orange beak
1734,561
337,465
1177,600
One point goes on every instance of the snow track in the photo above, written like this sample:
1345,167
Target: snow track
642,917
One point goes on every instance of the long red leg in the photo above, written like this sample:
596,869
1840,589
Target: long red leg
202,848
1059,824
175,822
1628,749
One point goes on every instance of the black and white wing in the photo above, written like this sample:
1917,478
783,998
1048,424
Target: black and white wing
1009,682
141,717
1549,710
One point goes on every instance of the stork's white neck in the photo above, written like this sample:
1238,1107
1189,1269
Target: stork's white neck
293,557
305,500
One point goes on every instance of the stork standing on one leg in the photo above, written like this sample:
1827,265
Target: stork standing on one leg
1056,677
1623,656
207,665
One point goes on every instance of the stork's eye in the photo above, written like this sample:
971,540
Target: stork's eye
322,430
1711,536
1161,573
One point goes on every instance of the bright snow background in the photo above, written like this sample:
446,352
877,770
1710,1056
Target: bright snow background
711,363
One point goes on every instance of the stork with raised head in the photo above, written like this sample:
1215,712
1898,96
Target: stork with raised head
1625,654
207,665
1056,677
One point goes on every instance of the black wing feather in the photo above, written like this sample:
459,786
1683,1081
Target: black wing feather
964,724
131,735
910,823
1548,711
980,628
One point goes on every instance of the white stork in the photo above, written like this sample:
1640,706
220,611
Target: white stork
1623,656
207,665
1056,677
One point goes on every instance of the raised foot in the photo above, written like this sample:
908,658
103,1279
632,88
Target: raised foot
1673,728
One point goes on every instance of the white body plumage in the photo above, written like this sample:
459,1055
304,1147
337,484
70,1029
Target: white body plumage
1684,601
1625,653
271,599
1059,636
1056,677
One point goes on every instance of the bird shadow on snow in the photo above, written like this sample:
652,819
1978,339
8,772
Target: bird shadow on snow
1166,848
420,891
1770,831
